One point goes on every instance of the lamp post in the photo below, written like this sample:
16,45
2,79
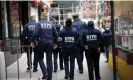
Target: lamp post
113,39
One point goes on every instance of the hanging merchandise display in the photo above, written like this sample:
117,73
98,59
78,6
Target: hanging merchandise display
44,7
37,2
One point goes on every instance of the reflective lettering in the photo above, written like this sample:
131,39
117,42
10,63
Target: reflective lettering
31,27
91,37
69,39
46,26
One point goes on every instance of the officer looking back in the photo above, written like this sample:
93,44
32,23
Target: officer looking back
70,39
80,26
91,40
27,35
47,35
58,50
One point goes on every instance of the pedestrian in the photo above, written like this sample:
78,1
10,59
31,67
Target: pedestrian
70,39
47,34
26,36
92,40
80,26
107,40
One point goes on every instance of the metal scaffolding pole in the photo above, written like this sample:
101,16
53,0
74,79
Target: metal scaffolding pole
59,14
113,39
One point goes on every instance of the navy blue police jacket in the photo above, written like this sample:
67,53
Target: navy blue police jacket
92,38
107,37
45,31
79,25
70,38
28,30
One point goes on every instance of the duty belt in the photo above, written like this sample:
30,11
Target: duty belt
45,39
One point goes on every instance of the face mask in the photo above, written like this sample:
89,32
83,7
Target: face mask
107,28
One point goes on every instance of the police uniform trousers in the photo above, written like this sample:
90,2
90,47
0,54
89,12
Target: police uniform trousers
48,49
35,62
69,55
55,53
79,57
92,57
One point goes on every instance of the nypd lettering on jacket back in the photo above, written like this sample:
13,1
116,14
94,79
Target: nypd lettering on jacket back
46,26
91,37
31,27
69,39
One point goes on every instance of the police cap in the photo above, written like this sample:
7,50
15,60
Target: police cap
75,15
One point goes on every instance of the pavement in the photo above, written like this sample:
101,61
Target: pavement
12,71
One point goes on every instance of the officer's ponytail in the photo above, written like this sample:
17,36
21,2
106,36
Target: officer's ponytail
68,22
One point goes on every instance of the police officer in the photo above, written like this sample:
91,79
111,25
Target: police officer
92,41
58,50
26,35
70,39
47,35
80,26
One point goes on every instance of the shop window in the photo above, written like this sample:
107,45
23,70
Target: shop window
14,18
116,26
125,36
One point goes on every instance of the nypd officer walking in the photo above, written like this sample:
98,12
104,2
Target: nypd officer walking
80,26
26,36
47,35
58,50
70,39
92,40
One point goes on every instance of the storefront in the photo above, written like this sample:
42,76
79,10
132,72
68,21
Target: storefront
123,39
13,16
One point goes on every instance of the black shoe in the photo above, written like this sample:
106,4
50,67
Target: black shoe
29,68
45,76
81,71
66,76
71,78
55,71
99,78
35,70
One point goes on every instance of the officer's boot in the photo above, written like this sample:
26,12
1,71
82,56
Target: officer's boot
35,70
29,66
66,76
71,77
81,70
45,76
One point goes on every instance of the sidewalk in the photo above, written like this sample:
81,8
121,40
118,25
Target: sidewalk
106,72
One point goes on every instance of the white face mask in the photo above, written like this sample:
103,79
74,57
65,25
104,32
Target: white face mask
107,28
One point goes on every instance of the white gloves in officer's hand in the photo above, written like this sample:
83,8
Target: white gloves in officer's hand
86,47
32,45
